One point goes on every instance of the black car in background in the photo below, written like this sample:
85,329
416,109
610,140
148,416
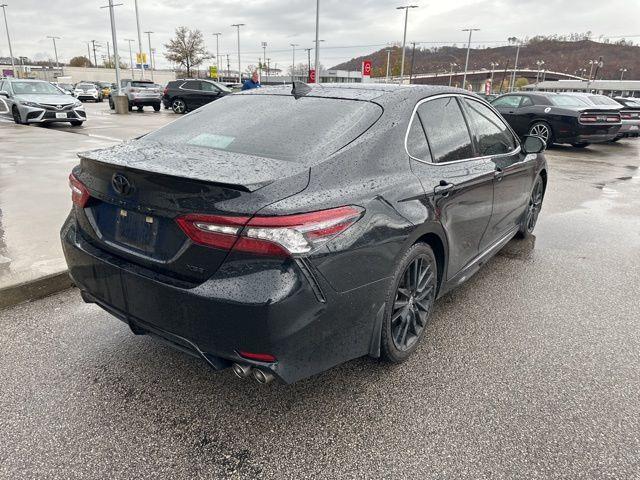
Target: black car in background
283,233
188,94
559,118
630,115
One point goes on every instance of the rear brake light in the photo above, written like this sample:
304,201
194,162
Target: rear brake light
588,118
79,193
275,236
613,118
260,357
626,116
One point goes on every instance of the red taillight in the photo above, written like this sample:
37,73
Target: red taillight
165,91
613,118
277,236
260,357
626,116
79,193
588,118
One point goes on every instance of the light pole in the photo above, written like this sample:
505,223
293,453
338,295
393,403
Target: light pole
591,65
264,58
55,50
95,58
413,54
116,58
388,61
539,63
293,60
139,41
6,25
217,34
452,65
150,55
238,25
466,63
308,62
317,52
622,72
518,44
493,69
404,36
130,55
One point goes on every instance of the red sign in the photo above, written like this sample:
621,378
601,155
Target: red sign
312,76
366,68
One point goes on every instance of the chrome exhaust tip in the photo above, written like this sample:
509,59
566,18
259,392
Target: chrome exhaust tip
241,371
261,376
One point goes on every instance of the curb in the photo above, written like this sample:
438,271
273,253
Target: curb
34,289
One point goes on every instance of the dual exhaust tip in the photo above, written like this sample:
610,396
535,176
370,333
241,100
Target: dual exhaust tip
261,376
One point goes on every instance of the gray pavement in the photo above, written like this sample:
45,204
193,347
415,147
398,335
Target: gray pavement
529,370
35,163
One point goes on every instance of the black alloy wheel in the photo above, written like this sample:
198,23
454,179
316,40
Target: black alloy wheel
178,106
533,209
542,130
409,304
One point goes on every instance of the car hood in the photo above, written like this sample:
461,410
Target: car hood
197,163
49,99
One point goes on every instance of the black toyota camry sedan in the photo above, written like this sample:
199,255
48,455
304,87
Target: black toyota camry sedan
282,232
559,118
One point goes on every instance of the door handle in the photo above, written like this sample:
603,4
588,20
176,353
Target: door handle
443,188
498,174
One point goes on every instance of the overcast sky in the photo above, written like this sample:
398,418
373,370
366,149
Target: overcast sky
365,24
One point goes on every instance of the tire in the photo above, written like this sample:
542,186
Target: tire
130,107
530,217
409,303
100,99
581,144
111,105
15,113
156,108
140,109
76,123
615,139
178,106
542,130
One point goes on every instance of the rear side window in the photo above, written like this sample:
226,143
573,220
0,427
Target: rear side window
446,130
526,102
417,144
508,101
192,85
273,126
492,135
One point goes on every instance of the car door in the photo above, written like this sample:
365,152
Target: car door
459,185
508,107
209,92
514,172
192,94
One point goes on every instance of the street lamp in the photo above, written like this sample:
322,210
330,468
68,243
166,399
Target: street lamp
264,58
150,55
388,61
6,25
139,41
539,63
238,25
293,60
518,43
55,50
622,72
217,34
115,42
130,55
466,63
452,65
493,69
317,41
404,36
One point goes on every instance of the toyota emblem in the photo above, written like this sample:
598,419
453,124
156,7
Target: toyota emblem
121,184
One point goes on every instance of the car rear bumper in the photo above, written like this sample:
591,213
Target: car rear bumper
145,101
273,306
630,128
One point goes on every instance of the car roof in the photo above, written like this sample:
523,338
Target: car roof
361,91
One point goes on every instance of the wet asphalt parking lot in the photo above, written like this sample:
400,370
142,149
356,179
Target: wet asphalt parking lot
529,370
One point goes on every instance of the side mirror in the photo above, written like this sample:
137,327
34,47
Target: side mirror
533,144
4,93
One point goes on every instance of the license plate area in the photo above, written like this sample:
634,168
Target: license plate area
136,230
61,115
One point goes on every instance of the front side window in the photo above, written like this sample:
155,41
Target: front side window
492,135
209,87
446,130
511,101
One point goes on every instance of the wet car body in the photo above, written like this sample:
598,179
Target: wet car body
577,123
307,311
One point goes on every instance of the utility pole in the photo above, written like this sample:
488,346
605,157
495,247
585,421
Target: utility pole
317,52
55,51
518,43
115,42
264,57
466,63
150,54
95,58
308,63
130,55
228,68
413,54
388,60
238,25
6,25
217,34
108,54
452,65
293,61
139,40
88,53
404,36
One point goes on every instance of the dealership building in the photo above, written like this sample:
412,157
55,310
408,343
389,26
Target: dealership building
625,88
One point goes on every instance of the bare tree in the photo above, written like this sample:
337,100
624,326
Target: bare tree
187,49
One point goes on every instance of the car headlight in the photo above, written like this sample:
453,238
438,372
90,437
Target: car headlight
77,104
31,104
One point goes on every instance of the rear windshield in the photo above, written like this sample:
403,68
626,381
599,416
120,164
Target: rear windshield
143,84
567,101
602,100
273,126
86,85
